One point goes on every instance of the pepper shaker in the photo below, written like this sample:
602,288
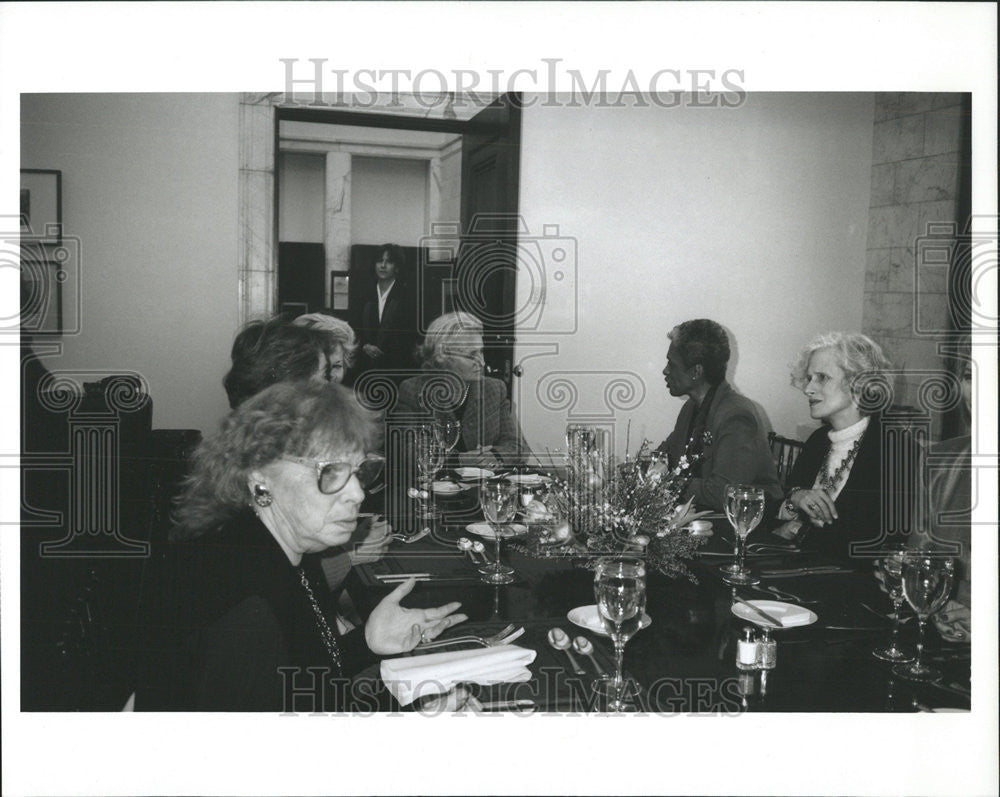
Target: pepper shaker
767,650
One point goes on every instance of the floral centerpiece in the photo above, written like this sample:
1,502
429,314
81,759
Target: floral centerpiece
628,508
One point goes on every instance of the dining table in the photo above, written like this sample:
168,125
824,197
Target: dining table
685,661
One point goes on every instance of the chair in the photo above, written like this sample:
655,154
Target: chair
785,451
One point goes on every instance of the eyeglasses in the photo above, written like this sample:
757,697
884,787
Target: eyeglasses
332,477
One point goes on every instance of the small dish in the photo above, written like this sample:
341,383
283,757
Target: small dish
587,618
790,615
528,479
484,529
445,487
474,473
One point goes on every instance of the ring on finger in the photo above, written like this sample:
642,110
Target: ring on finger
423,637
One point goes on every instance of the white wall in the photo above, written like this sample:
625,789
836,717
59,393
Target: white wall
301,196
388,200
150,189
753,216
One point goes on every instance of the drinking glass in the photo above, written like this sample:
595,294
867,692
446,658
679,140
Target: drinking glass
620,593
446,432
429,455
745,509
499,502
891,568
927,583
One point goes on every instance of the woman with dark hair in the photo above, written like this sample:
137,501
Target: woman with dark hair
247,621
267,352
388,319
836,484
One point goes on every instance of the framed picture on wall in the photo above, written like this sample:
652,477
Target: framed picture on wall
41,206
339,290
42,297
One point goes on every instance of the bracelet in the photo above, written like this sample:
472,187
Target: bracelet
790,508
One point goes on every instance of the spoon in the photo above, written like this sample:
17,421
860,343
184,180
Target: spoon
584,647
465,545
558,640
480,549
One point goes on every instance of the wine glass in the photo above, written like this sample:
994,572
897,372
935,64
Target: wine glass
429,455
891,568
499,502
446,432
745,509
620,592
927,583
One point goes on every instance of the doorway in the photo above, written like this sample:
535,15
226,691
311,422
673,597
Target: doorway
466,258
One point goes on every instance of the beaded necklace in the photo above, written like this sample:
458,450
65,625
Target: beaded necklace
828,482
329,639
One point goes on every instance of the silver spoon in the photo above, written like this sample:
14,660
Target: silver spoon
558,640
480,549
465,545
584,647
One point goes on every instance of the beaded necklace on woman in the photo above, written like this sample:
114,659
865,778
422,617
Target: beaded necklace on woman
833,482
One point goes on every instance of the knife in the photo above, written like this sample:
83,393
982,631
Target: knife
805,571
770,618
424,577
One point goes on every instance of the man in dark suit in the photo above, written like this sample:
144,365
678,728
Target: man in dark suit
388,319
737,451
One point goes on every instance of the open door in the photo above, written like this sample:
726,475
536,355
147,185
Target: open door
488,255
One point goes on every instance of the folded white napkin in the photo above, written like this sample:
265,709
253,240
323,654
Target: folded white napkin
435,673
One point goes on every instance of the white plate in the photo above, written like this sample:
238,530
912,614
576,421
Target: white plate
790,615
587,617
475,473
528,479
447,487
484,529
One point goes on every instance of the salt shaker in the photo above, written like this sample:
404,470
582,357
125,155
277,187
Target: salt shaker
767,650
746,650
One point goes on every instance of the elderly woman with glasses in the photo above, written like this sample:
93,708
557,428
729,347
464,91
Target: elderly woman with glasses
455,387
314,347
251,623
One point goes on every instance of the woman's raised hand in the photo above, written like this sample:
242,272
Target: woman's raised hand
392,628
816,505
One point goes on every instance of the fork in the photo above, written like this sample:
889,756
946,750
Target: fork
407,539
502,638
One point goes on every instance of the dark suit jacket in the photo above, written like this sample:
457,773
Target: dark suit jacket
738,453
486,417
227,613
395,334
860,503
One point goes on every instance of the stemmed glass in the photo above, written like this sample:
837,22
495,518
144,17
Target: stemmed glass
499,502
745,509
446,432
891,568
620,592
429,454
927,583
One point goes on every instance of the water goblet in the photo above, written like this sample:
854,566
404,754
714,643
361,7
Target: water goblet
927,583
499,502
446,432
620,593
891,568
745,509
429,456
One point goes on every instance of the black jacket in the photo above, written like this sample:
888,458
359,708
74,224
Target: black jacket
228,610
876,497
